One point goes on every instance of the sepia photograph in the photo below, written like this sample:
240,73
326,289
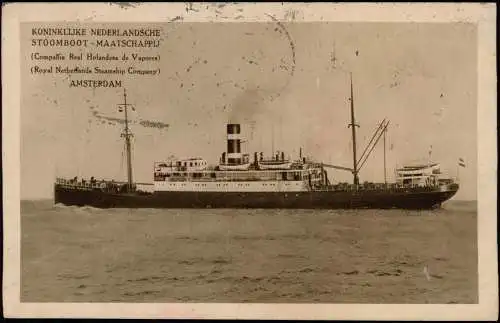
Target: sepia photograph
253,154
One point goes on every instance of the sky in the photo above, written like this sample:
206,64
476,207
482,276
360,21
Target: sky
286,83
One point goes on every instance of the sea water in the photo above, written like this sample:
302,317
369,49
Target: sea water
84,254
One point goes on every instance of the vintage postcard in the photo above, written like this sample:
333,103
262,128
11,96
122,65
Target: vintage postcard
277,161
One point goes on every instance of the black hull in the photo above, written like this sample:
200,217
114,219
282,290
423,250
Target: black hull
382,199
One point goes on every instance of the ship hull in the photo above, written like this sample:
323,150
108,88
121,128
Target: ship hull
381,199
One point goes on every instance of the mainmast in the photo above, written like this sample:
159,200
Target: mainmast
353,125
127,135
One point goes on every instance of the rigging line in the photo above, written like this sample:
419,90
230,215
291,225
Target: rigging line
371,140
120,171
376,142
378,138
272,139
86,139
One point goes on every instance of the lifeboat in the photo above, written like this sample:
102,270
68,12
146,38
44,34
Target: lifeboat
274,164
234,166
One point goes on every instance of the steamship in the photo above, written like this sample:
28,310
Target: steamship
240,180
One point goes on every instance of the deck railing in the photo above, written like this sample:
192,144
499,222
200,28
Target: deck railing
386,187
104,185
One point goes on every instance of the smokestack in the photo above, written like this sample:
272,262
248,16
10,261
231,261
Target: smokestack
233,143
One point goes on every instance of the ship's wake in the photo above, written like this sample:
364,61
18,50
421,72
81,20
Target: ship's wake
76,209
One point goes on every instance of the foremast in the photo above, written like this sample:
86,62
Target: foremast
127,135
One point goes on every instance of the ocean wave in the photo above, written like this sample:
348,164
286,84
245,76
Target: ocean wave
75,210
58,206
90,209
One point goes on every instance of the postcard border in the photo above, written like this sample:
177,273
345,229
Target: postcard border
482,14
